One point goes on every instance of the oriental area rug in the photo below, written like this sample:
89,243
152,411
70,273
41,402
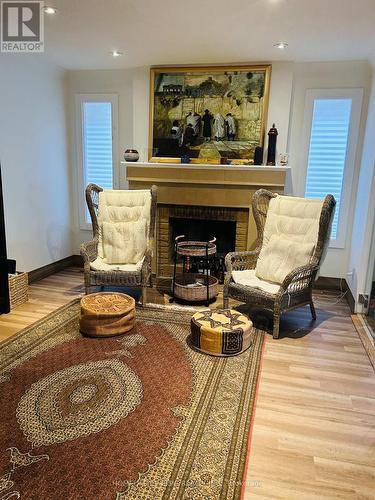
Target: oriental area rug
141,416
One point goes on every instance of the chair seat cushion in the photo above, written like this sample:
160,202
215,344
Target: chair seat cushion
248,278
100,265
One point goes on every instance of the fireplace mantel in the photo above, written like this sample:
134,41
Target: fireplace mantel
203,191
205,184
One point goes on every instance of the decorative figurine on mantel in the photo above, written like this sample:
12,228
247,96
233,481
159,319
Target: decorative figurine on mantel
272,138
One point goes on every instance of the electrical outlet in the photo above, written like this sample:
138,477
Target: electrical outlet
363,299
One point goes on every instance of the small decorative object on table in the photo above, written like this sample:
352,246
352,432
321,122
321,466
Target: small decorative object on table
220,332
194,287
131,155
283,159
106,314
272,138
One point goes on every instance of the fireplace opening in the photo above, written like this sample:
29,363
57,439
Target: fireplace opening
205,230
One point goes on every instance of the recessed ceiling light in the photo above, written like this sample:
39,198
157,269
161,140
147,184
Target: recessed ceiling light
281,45
116,53
49,10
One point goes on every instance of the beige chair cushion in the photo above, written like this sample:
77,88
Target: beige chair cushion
124,242
248,278
281,256
124,220
99,265
290,236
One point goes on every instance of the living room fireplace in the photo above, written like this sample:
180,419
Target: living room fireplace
228,225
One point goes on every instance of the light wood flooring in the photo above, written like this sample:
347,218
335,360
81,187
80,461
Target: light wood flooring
314,429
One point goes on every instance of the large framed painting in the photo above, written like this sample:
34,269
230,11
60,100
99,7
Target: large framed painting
208,114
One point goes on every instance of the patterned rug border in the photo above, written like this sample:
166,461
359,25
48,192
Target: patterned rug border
37,323
252,420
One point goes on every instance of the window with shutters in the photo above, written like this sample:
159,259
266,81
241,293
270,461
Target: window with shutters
96,146
333,124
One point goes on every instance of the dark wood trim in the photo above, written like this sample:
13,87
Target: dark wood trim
55,267
349,297
324,283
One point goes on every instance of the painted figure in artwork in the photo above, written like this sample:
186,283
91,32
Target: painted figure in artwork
176,132
188,136
219,127
231,127
207,122
195,121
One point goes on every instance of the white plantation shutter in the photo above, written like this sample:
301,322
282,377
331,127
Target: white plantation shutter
97,143
96,116
328,151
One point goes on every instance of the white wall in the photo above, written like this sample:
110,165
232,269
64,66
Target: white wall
33,155
351,74
362,256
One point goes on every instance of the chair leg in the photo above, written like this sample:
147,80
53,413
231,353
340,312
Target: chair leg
276,325
312,309
225,301
87,289
144,295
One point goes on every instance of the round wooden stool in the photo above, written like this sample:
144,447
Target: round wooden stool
106,314
221,332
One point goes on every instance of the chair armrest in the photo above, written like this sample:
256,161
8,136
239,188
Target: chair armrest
89,250
299,278
239,261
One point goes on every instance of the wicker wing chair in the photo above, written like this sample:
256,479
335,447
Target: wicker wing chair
129,275
296,288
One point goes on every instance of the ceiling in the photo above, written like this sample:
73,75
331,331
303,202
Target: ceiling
151,32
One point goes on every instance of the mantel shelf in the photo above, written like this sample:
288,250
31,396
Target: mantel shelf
207,166
209,181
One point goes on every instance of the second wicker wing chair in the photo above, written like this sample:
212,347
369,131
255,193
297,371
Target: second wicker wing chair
129,275
295,289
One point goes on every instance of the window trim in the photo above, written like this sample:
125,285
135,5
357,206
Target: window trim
356,95
81,98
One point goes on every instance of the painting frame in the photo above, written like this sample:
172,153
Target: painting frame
201,70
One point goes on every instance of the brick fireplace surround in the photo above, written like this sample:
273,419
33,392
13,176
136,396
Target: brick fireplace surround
164,231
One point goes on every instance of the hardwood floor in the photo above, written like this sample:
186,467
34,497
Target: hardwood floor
314,429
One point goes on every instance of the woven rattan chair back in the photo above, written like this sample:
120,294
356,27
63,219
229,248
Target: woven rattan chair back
260,203
89,250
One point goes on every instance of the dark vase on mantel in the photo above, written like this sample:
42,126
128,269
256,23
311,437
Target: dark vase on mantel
272,138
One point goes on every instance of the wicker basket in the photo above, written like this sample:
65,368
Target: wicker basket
18,289
198,293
